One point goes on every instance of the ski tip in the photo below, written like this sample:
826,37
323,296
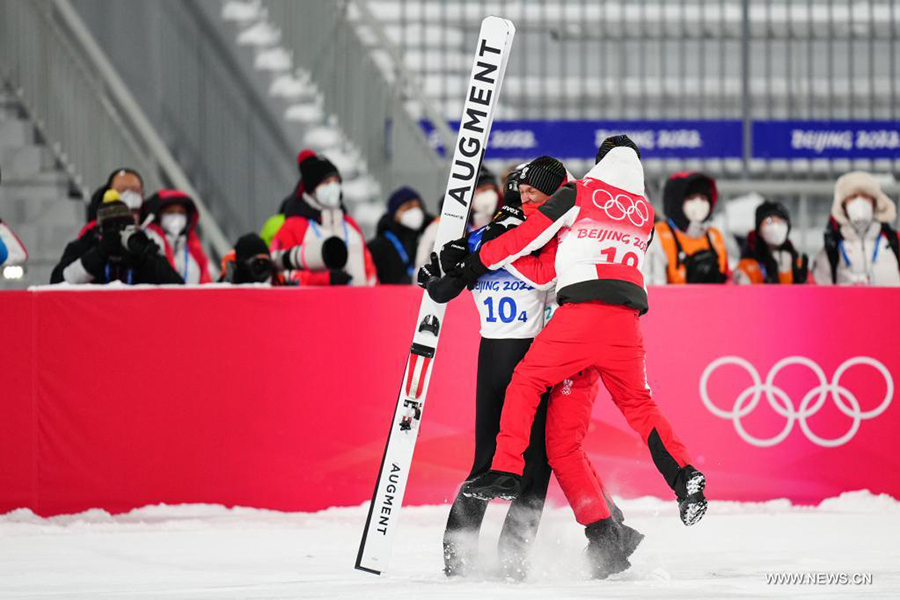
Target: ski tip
497,21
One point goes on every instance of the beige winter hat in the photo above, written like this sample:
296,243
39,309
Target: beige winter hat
861,182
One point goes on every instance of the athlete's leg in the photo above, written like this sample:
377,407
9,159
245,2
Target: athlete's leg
524,515
624,375
496,361
562,349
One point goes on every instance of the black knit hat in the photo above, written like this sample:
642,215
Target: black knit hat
615,141
544,174
248,246
316,169
768,209
115,212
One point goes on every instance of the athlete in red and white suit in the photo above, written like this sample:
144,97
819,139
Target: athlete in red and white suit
603,224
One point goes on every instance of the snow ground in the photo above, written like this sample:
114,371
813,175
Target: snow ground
207,551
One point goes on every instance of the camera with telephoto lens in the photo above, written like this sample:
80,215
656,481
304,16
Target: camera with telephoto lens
134,240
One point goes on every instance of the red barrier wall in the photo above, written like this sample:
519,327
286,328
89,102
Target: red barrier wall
281,398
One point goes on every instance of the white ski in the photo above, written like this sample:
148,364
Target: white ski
489,66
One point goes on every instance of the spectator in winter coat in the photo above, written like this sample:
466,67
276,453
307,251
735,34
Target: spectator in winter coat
318,216
12,250
114,250
394,246
861,246
130,187
174,230
687,249
274,223
769,256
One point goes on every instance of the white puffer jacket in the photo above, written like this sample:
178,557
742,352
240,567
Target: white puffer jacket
864,258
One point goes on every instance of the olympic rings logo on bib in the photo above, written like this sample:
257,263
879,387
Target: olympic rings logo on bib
810,404
620,206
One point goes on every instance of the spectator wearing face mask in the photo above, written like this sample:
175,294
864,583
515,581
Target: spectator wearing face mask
130,187
174,230
687,248
289,206
861,246
769,256
485,199
114,250
317,218
395,244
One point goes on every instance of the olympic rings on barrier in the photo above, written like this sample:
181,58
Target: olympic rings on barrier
810,404
620,206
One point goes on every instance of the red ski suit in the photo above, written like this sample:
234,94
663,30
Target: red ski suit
603,225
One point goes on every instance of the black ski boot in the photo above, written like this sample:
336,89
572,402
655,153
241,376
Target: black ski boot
689,486
606,550
459,559
493,484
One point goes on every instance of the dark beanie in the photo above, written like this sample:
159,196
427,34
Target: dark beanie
400,197
615,141
768,209
113,212
249,245
698,185
544,174
486,177
314,170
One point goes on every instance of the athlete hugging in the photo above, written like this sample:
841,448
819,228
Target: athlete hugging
590,238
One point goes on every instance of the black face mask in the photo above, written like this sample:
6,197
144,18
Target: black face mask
254,270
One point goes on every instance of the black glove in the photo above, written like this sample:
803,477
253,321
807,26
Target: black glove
429,271
109,244
509,212
339,278
453,252
493,230
471,269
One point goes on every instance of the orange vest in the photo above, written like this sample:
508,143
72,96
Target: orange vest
752,269
676,271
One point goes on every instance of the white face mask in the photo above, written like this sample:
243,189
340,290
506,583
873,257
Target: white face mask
329,194
412,218
131,199
173,223
696,210
774,234
860,211
485,203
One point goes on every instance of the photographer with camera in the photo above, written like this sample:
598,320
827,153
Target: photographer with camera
115,250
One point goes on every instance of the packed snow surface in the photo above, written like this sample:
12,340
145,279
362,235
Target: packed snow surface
207,551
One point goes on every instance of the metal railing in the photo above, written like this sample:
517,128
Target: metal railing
214,119
370,110
81,106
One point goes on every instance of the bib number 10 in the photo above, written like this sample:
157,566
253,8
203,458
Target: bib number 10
506,310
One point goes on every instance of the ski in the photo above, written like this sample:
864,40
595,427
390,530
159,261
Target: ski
491,56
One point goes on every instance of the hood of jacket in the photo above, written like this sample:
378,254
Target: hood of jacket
620,168
674,193
163,198
860,182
